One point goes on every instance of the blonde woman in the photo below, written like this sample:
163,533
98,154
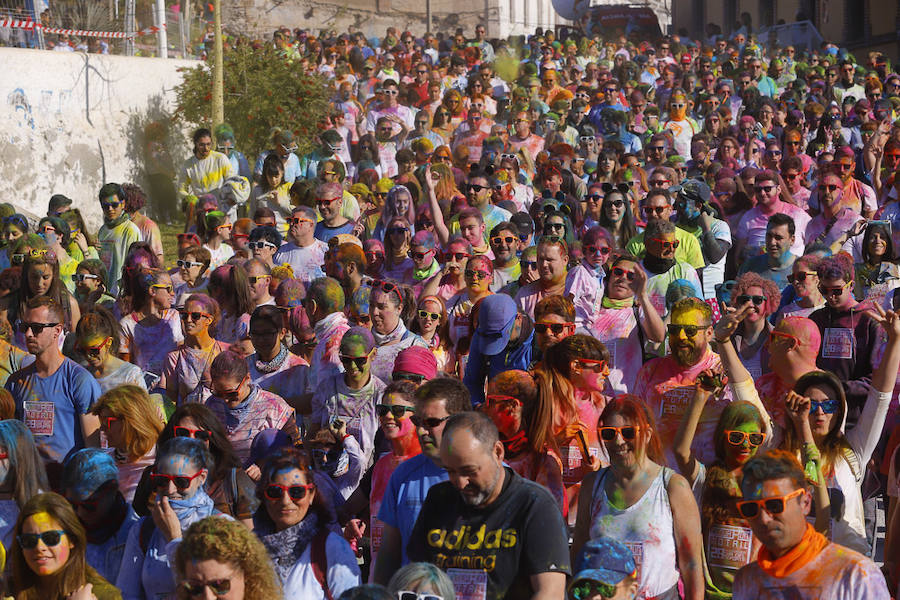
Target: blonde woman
132,424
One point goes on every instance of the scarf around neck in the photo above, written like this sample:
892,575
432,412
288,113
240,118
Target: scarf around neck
287,546
382,339
796,558
112,224
237,415
190,510
608,302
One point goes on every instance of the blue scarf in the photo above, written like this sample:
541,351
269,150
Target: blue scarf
285,547
190,510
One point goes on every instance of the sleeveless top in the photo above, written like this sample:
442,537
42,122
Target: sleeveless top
646,528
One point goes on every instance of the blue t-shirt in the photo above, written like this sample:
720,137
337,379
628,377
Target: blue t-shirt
51,407
405,494
324,232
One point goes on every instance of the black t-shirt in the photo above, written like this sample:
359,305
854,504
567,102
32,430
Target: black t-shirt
496,548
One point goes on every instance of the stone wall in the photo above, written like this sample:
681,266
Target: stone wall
70,122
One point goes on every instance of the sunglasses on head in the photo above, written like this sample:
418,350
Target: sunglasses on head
197,434
609,433
359,361
295,492
397,411
182,482
736,438
51,538
750,509
745,298
689,330
556,328
385,286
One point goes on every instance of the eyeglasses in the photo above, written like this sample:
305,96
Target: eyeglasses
193,315
556,328
689,330
219,587
110,205
833,291
51,538
295,492
79,277
476,274
609,433
385,286
745,298
497,240
298,220
182,482
800,277
407,595
666,244
256,278
656,210
620,272
424,314
429,422
94,351
261,244
197,434
736,438
750,509
37,328
359,361
397,411
829,407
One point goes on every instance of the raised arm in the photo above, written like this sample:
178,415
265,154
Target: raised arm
684,438
437,215
798,411
653,326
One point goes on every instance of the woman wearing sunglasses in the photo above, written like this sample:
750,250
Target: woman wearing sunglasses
432,324
97,343
225,558
230,287
177,500
14,227
294,523
192,270
642,504
613,212
524,419
394,409
56,233
421,581
805,283
762,296
397,203
131,422
90,285
152,329
185,376
573,376
397,237
48,558
215,231
451,279
22,474
478,275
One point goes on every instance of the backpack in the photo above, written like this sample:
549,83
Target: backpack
319,561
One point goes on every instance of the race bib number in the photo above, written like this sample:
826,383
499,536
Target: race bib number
375,534
729,546
837,343
468,585
39,417
675,401
572,459
637,551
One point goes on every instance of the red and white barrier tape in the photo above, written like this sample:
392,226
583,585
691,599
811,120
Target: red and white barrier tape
30,25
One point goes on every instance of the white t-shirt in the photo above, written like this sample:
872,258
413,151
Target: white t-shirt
306,261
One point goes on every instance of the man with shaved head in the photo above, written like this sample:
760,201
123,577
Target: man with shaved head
487,526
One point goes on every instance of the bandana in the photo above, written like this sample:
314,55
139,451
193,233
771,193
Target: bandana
796,558
608,302
274,364
382,339
190,510
286,547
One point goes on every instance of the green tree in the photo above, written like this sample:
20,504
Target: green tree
263,90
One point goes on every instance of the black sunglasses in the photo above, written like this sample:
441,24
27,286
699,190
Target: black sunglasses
689,330
37,328
428,423
556,328
745,298
396,410
359,361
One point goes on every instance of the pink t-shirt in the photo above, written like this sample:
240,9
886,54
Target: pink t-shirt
617,329
668,387
752,228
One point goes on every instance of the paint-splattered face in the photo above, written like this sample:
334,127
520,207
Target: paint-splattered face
356,359
425,315
686,348
199,574
737,455
284,510
45,560
12,233
394,427
178,465
550,329
504,410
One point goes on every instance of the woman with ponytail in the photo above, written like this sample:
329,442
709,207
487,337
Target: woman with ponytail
215,231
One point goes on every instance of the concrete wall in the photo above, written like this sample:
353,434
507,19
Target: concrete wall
70,122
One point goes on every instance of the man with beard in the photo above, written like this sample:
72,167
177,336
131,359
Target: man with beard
778,262
436,402
490,529
661,242
667,383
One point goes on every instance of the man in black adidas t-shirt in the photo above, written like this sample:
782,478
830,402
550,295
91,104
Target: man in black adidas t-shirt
496,534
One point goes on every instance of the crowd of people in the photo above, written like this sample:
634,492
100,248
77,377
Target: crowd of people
623,323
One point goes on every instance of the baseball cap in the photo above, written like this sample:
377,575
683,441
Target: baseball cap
496,315
602,560
693,189
523,223
86,470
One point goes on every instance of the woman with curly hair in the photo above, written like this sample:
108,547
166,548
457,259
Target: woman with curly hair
225,557
48,557
763,297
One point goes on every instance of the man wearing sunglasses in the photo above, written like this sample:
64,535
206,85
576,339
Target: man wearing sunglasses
117,233
795,560
330,201
54,394
436,402
478,193
206,171
303,251
750,233
487,525
90,482
504,240
661,262
658,205
667,384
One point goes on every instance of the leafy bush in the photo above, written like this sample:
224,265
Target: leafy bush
263,90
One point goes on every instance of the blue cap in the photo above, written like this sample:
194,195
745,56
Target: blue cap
496,315
605,560
86,470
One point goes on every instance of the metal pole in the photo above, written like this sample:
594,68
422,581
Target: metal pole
218,95
162,41
129,27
